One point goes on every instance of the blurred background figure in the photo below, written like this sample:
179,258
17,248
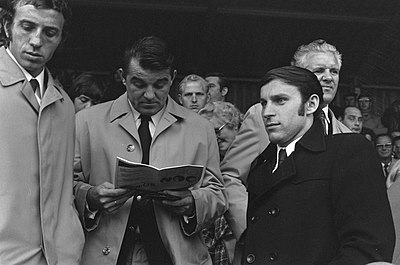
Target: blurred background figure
350,100
226,119
390,165
193,92
352,118
370,119
86,90
217,86
391,117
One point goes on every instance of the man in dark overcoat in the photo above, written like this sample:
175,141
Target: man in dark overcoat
313,198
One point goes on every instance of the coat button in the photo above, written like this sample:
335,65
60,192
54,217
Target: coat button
273,256
253,219
106,250
274,212
130,148
250,258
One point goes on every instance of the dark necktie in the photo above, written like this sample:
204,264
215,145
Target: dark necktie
386,169
282,156
35,86
145,137
322,118
142,216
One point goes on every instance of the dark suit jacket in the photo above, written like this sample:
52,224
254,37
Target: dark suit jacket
325,204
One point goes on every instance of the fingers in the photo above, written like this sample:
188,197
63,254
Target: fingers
184,206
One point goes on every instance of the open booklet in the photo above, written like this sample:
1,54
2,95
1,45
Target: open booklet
150,181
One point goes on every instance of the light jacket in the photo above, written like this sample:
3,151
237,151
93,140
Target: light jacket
38,224
108,130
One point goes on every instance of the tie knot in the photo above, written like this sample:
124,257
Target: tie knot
34,84
282,156
145,119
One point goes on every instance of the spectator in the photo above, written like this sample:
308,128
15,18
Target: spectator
370,120
217,86
391,116
38,223
138,230
193,92
384,148
350,100
87,90
310,208
352,118
219,238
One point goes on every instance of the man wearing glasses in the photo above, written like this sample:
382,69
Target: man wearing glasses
384,148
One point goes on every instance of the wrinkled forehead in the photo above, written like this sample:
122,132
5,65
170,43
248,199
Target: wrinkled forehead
383,140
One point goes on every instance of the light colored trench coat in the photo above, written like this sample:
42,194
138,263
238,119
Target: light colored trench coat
38,221
108,130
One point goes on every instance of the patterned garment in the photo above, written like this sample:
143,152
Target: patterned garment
213,237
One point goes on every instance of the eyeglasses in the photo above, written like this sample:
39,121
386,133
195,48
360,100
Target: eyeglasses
381,146
218,130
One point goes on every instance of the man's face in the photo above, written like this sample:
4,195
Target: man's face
383,146
35,35
326,67
82,102
349,101
214,88
281,104
147,90
364,103
353,119
193,96
396,149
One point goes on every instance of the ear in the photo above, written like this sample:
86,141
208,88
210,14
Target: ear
120,72
7,27
180,99
312,104
224,91
173,76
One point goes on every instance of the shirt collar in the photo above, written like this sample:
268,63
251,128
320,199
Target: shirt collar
290,147
28,76
326,112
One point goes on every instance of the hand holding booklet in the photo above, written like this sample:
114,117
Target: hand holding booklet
150,181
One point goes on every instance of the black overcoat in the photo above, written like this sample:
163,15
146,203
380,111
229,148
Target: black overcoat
325,204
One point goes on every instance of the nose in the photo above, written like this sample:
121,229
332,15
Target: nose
267,111
149,93
194,98
36,38
327,76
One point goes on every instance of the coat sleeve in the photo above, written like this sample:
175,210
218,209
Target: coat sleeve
361,210
249,143
210,200
81,186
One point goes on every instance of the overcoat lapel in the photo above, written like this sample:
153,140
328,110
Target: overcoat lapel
29,95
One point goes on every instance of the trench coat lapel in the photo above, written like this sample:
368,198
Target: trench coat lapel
172,114
11,74
121,110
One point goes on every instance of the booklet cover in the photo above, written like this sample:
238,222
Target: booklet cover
151,180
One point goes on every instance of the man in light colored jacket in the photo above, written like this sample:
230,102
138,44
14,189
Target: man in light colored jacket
38,224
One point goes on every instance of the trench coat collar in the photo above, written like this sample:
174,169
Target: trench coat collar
313,141
121,110
11,74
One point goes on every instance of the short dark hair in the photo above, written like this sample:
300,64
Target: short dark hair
152,54
222,80
306,82
383,135
61,6
88,85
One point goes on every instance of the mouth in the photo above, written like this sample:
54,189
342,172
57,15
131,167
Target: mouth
34,54
271,125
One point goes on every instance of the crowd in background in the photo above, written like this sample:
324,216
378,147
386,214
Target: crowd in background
288,181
